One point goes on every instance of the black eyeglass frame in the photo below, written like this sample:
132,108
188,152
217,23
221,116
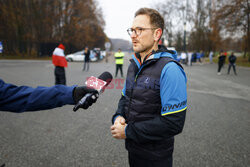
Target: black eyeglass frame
138,30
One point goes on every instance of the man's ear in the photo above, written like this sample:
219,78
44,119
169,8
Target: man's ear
157,34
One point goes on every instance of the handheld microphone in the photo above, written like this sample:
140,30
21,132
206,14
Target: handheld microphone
96,83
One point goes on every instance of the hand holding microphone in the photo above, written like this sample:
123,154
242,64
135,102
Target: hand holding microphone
85,96
82,91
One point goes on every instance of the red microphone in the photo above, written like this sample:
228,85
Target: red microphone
96,83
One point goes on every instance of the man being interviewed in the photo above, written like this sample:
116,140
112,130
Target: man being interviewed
153,105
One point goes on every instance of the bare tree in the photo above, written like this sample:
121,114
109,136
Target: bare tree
177,14
234,16
26,23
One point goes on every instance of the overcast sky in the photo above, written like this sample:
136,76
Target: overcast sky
118,15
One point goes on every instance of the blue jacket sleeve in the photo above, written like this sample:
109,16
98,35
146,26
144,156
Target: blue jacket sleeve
23,98
170,121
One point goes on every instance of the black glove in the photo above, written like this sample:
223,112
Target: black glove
80,92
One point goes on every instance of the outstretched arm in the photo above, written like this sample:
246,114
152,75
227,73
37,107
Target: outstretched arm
23,98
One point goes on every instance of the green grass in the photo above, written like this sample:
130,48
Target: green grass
241,61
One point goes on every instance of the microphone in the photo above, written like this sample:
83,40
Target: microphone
96,83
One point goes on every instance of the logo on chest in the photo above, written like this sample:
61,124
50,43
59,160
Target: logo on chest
147,80
148,83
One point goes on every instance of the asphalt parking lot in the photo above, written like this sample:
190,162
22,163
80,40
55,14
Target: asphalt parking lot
216,131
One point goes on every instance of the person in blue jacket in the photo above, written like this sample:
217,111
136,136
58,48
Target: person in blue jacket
153,105
23,98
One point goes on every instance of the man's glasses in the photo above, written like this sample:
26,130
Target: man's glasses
137,30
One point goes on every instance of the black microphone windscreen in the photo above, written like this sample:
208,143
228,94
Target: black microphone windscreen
106,76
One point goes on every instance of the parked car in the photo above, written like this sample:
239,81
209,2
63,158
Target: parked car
79,56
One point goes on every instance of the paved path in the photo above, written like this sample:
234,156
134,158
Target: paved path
216,131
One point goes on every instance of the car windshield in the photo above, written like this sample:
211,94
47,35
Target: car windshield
78,53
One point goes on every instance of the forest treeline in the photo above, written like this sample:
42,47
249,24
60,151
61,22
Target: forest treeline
211,25
35,27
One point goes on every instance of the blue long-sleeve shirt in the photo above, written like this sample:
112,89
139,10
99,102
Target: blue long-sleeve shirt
23,98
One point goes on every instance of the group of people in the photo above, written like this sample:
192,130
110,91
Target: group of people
60,63
189,58
197,56
222,59
153,103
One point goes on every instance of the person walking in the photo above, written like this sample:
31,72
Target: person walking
202,55
198,56
86,59
221,60
194,57
119,56
232,59
153,105
183,58
211,54
60,62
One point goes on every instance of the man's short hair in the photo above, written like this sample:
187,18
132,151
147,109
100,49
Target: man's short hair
155,17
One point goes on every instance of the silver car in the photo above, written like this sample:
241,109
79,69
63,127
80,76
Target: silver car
79,56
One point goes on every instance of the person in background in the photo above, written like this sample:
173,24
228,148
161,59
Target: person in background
152,108
194,57
202,56
24,98
183,57
211,57
221,60
232,59
60,62
119,56
189,59
198,56
86,59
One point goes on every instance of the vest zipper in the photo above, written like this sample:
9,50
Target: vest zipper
130,98
131,94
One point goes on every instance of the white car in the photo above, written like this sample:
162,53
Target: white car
79,56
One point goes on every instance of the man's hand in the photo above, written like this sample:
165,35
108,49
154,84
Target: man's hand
118,129
80,92
120,120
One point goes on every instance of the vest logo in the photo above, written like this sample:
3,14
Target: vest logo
147,80
175,106
143,83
